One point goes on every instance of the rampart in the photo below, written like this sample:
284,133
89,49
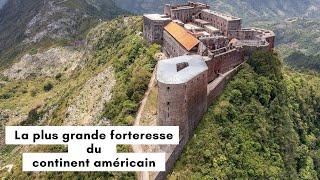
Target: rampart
206,49
183,98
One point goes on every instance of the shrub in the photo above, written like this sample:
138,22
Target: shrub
6,96
58,76
48,87
33,93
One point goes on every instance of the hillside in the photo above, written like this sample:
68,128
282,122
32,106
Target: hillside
295,34
102,85
264,126
248,9
299,60
27,25
297,42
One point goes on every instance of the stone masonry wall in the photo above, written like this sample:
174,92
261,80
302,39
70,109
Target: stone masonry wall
172,108
224,62
153,30
181,105
214,90
196,100
171,47
202,97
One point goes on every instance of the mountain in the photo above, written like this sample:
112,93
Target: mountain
295,34
248,9
43,23
299,60
100,84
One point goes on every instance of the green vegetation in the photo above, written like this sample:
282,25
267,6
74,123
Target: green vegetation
296,34
264,126
117,44
48,86
299,60
133,63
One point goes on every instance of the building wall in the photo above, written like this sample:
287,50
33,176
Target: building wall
196,100
172,107
242,34
167,10
223,62
171,47
182,105
220,23
197,93
253,34
214,93
153,30
184,15
271,41
235,25
215,42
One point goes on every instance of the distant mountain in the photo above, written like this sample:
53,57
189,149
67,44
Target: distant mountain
299,60
46,22
252,9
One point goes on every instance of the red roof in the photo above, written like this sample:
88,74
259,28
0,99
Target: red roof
187,40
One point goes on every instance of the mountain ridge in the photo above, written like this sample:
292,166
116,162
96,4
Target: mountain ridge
252,9
43,23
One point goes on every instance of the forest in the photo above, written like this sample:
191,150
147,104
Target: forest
264,126
299,60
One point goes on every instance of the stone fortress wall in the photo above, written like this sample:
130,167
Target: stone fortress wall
206,48
172,47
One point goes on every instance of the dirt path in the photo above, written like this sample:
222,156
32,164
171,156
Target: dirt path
144,101
138,148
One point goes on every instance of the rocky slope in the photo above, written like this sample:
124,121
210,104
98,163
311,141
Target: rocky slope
101,83
50,63
27,24
87,107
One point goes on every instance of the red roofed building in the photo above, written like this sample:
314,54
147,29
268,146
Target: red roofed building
177,41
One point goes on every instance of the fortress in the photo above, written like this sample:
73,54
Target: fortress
205,48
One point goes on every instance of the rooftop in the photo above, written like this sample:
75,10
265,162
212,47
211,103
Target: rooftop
157,17
178,22
190,26
182,7
212,28
168,72
200,21
182,36
224,16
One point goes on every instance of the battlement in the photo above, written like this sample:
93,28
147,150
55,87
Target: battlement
221,15
205,49
189,5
